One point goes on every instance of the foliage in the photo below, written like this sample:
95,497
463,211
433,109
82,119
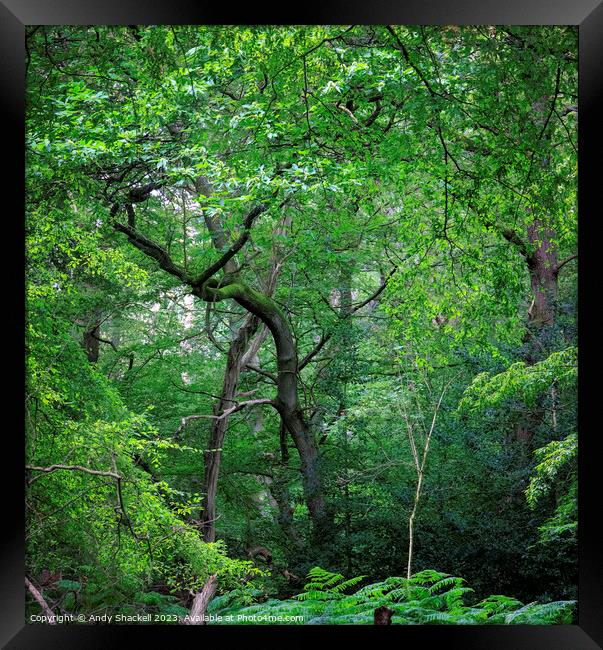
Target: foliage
521,382
415,189
557,470
429,597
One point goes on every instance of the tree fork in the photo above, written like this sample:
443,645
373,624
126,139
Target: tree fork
210,289
287,399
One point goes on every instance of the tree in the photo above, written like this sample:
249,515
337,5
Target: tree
320,220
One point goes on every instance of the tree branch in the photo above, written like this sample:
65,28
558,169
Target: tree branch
200,603
326,337
79,468
239,406
402,48
564,262
154,250
140,194
568,109
98,338
232,251
374,295
208,329
512,237
261,371
41,602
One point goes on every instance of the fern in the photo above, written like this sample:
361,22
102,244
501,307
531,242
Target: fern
496,604
445,582
541,613
316,595
326,585
352,582
427,576
429,597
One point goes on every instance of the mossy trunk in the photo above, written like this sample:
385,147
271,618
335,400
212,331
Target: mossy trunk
287,400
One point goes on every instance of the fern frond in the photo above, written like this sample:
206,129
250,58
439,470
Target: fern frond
439,617
509,618
542,613
398,594
498,603
427,576
347,584
445,582
316,595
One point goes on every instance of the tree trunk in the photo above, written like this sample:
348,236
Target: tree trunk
91,343
303,437
91,337
543,274
287,400
280,493
279,488
212,454
383,616
543,271
51,616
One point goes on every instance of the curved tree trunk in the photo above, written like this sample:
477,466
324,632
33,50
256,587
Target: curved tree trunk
212,453
287,400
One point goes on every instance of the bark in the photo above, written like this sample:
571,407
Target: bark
91,343
383,616
310,470
287,399
280,493
41,602
201,602
542,265
279,489
543,268
91,339
78,468
219,427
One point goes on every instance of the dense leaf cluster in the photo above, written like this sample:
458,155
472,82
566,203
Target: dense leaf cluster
395,203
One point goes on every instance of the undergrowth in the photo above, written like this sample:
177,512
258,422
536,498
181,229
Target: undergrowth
428,597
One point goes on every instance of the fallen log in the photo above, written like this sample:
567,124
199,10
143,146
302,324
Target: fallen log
200,603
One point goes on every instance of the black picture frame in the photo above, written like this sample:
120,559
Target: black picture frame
588,16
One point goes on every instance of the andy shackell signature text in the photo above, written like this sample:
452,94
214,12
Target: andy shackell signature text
109,619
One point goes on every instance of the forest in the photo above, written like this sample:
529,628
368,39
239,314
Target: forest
301,324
